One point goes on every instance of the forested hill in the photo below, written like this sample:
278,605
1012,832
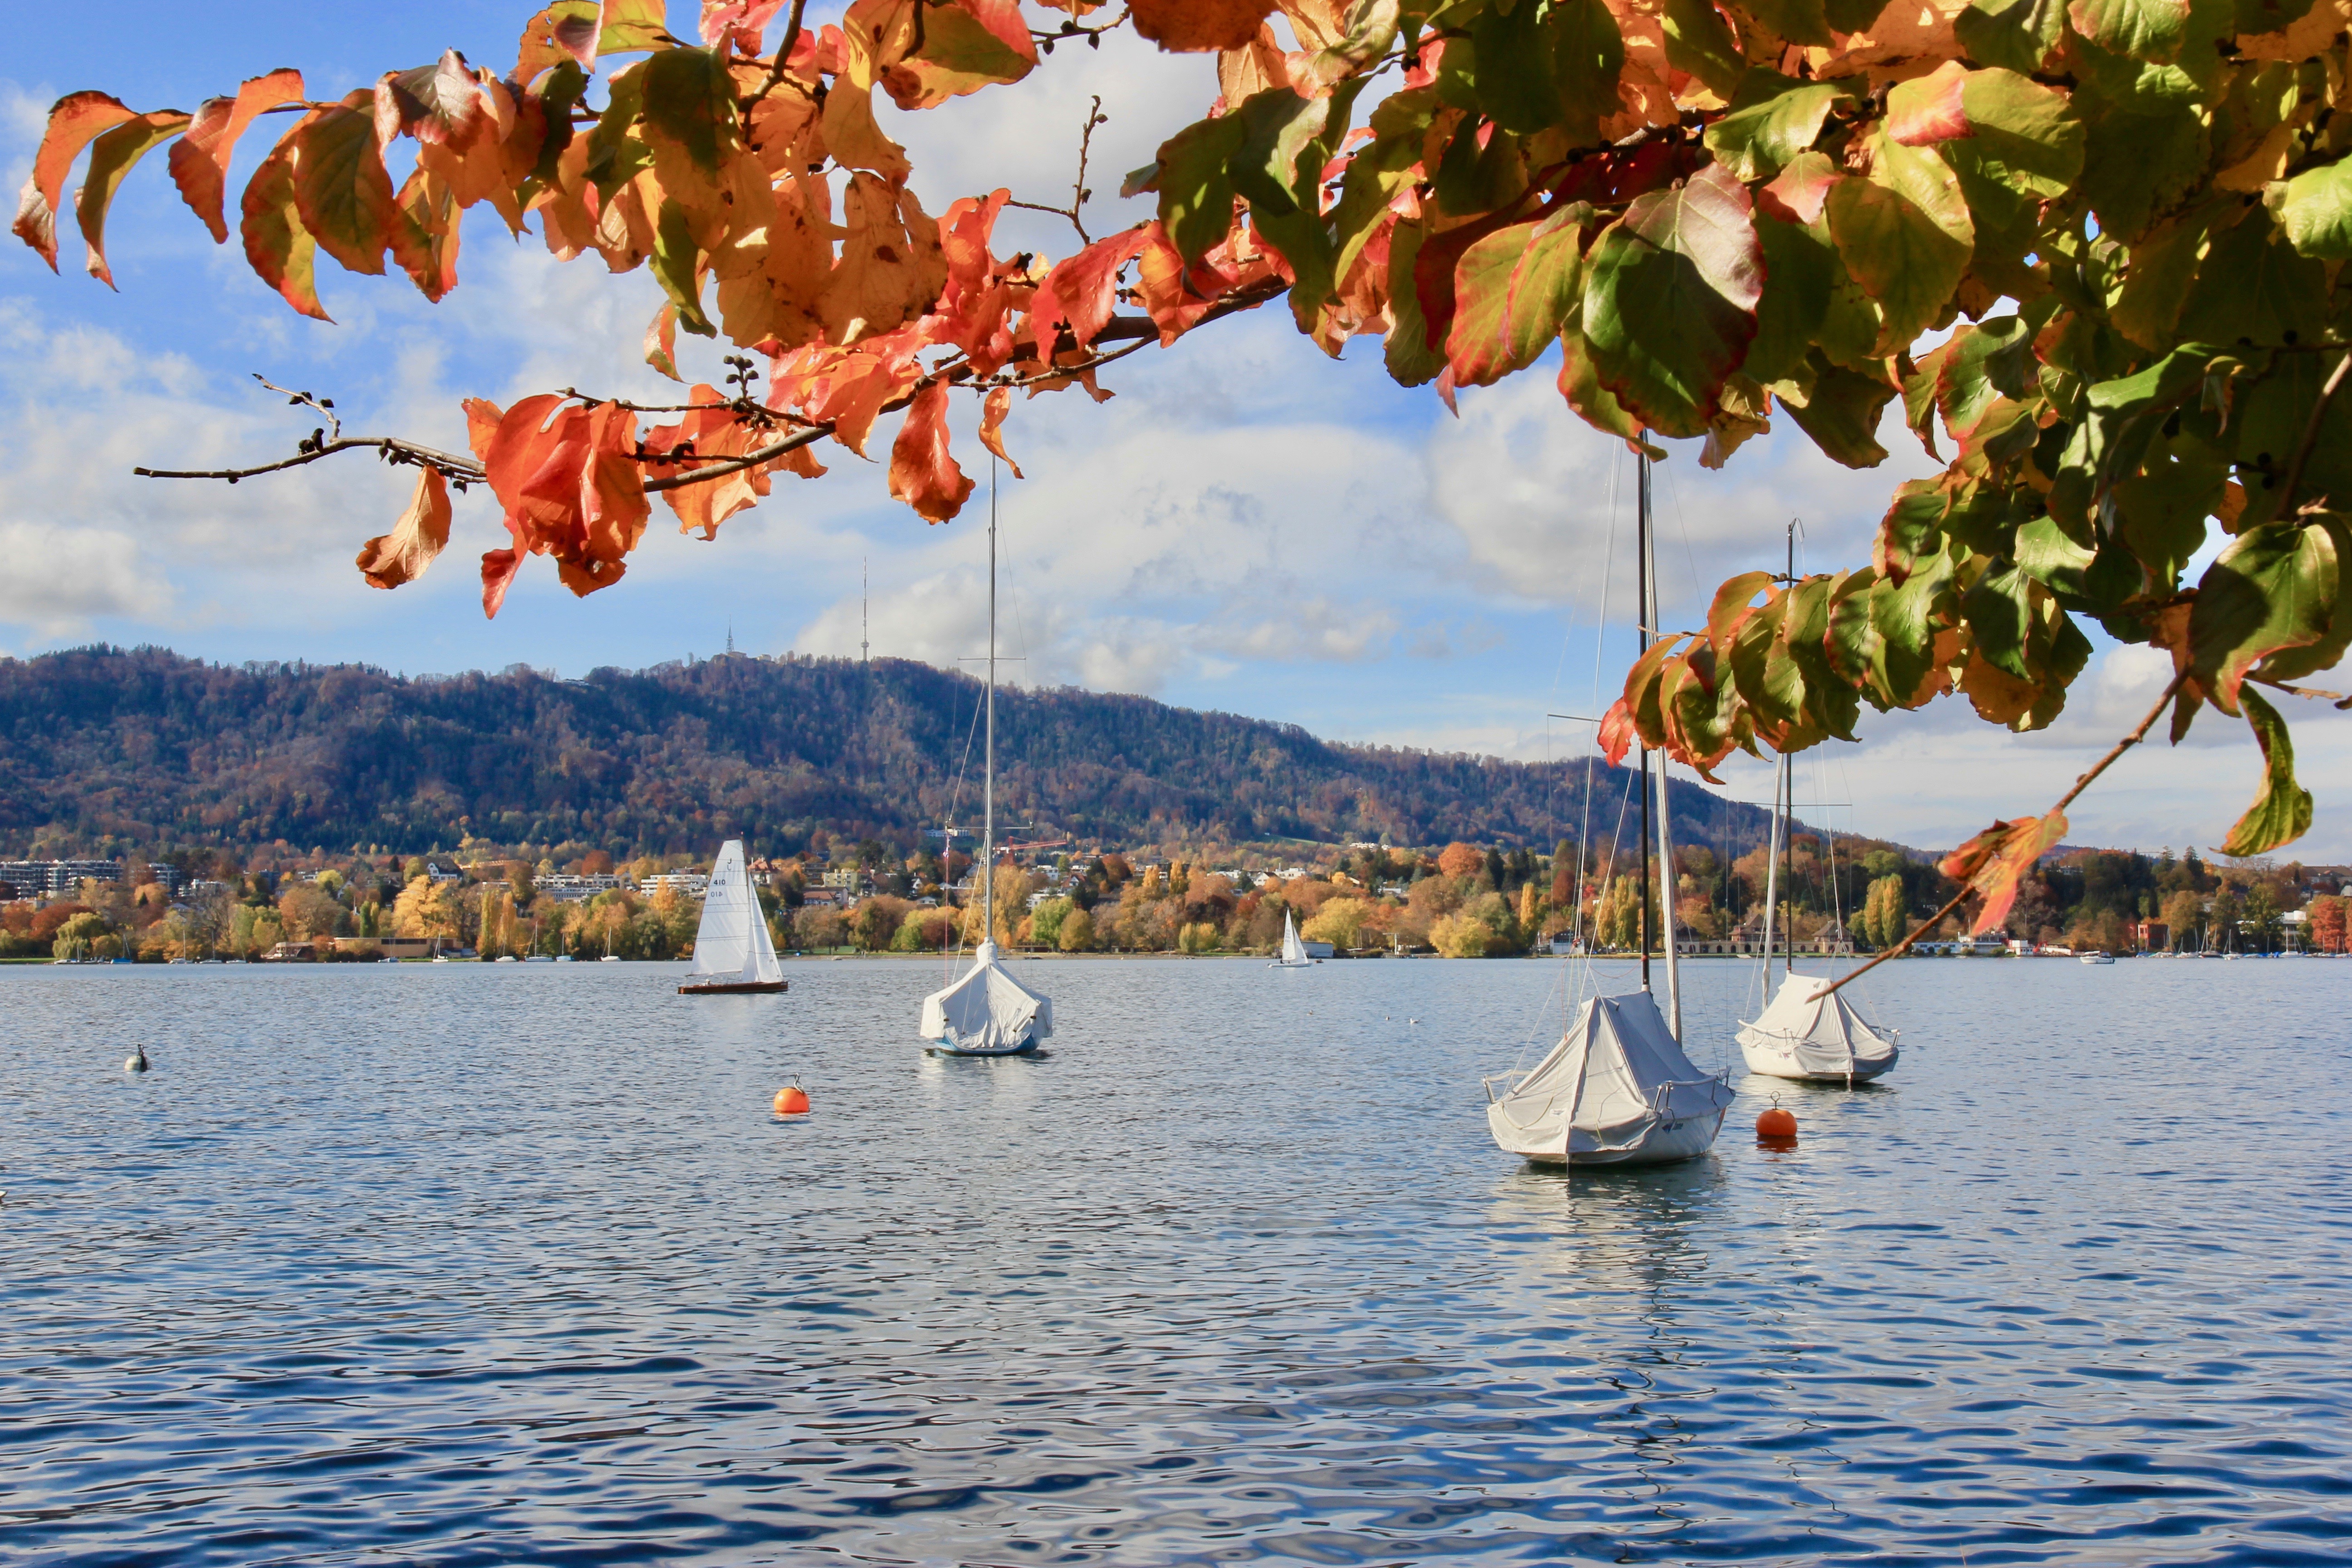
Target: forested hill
145,747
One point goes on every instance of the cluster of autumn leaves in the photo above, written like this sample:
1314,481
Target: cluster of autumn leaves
2127,215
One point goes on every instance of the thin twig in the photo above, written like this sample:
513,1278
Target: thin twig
461,469
2311,434
1932,921
783,56
1078,192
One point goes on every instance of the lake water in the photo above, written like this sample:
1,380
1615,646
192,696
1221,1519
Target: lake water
510,1264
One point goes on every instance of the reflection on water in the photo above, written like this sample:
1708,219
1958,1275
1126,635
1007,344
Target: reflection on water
465,1265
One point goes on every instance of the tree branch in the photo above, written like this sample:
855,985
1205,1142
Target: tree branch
783,56
1932,921
2311,434
1078,192
464,470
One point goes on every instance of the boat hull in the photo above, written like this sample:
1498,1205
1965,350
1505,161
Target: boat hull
942,1048
1774,1061
737,988
1663,1144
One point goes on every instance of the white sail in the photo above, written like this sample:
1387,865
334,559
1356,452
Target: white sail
1294,951
1815,1036
986,1011
1616,1089
722,944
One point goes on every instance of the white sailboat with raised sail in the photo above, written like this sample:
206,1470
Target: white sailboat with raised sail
732,950
1617,1089
986,1012
1294,951
1801,1033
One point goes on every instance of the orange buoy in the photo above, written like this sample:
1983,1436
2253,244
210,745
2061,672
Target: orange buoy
1776,1126
792,1100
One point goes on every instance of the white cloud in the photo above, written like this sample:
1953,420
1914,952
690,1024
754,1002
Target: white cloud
60,580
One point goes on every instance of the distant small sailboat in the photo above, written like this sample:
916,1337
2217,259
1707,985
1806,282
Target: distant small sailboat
1294,951
732,950
987,1013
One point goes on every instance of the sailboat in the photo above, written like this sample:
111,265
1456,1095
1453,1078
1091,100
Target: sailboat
987,1013
1618,1089
1294,951
732,950
1802,1034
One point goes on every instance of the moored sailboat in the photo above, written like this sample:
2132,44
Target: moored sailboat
732,950
1617,1088
986,1012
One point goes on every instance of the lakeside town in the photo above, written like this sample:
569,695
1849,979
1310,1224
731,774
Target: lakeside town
839,896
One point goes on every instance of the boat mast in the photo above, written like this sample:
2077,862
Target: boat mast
988,776
1642,636
1665,818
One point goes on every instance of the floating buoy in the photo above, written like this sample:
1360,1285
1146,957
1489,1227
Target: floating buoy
1776,1126
138,1062
793,1099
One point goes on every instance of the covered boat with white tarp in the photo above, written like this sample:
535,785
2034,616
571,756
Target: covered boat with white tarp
1615,1090
732,950
986,1013
1804,1034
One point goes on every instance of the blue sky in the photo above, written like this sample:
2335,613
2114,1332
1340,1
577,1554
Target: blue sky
1247,526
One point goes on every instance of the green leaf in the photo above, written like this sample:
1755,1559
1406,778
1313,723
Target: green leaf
1699,41
2016,34
677,269
1581,383
2253,288
1906,617
1801,270
1196,194
2274,587
2162,268
1517,88
2313,210
1905,234
634,26
341,186
1798,21
1771,120
615,157
1670,300
1380,170
689,103
2324,651
2145,142
2164,510
1911,529
1998,609
1587,58
1843,412
112,157
2281,809
1981,366
2121,419
1411,360
281,251
1513,292
2150,30
2024,147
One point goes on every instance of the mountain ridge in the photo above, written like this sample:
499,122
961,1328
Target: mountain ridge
106,744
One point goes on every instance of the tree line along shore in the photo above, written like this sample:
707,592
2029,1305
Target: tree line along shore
838,895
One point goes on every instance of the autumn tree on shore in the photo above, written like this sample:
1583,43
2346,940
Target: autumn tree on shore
2093,251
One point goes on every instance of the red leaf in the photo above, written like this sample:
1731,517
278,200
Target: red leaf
499,569
199,160
1927,110
1082,290
922,474
74,120
482,418
993,409
1992,862
1617,731
400,556
743,20
1194,27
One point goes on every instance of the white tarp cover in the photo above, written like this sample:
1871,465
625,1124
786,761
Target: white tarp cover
986,1009
732,944
1615,1074
1823,1032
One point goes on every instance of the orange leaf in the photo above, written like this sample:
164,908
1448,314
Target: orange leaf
400,556
425,235
1617,731
1193,27
341,185
661,341
1082,290
891,268
922,474
199,160
713,431
744,20
499,569
1927,110
993,409
1992,862
74,120
281,251
482,418
112,157
566,30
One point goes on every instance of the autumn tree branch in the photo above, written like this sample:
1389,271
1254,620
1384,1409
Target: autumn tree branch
2117,749
2311,433
1079,193
783,56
